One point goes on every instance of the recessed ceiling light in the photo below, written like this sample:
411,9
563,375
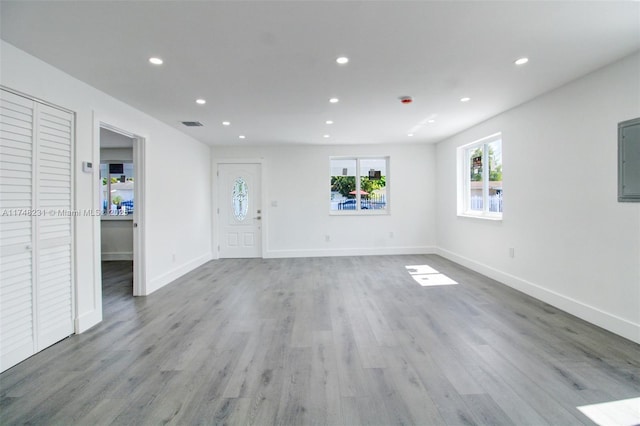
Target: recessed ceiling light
242,136
326,136
410,134
431,121
342,60
226,123
156,61
521,61
329,122
334,100
465,99
201,101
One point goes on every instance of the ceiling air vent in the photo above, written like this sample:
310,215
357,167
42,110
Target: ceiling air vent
192,123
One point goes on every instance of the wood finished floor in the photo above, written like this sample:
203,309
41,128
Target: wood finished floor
335,341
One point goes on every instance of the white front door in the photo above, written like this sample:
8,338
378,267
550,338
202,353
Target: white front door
239,210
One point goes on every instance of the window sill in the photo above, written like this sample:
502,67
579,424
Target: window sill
359,213
482,217
117,217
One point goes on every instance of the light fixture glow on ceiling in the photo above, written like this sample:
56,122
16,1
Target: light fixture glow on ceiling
242,136
410,134
334,100
431,121
156,61
342,60
226,123
465,99
201,101
521,61
329,122
326,136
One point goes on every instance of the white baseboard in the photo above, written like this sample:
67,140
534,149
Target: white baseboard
164,279
610,322
363,251
87,320
111,256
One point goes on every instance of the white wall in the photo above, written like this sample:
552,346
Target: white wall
124,155
176,239
576,247
297,178
116,242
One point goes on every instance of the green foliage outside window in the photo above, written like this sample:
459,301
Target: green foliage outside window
495,172
347,184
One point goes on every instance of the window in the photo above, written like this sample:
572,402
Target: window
359,185
480,178
116,192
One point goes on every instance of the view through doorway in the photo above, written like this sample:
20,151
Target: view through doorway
120,202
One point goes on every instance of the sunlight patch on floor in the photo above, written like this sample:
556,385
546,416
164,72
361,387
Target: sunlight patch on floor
625,412
426,276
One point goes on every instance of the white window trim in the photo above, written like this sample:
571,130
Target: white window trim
463,183
364,212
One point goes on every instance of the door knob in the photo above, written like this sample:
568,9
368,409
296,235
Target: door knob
258,217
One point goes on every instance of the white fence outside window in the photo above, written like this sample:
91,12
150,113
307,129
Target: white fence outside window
495,203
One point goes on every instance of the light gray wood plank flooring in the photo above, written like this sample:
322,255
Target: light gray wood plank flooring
322,341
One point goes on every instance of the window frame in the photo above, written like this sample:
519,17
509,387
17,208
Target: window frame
359,211
464,182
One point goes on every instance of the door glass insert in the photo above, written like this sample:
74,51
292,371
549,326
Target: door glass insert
240,199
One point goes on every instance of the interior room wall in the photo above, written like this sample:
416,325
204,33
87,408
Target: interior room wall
296,179
178,219
124,155
117,239
576,247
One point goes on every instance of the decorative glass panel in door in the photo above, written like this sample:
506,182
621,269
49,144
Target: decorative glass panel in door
240,199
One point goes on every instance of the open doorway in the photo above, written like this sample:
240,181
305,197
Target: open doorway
121,203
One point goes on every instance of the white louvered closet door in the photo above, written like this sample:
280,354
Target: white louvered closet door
36,308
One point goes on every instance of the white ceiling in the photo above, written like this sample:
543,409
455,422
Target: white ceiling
269,67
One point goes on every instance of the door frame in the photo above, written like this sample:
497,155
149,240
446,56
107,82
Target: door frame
139,240
216,208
